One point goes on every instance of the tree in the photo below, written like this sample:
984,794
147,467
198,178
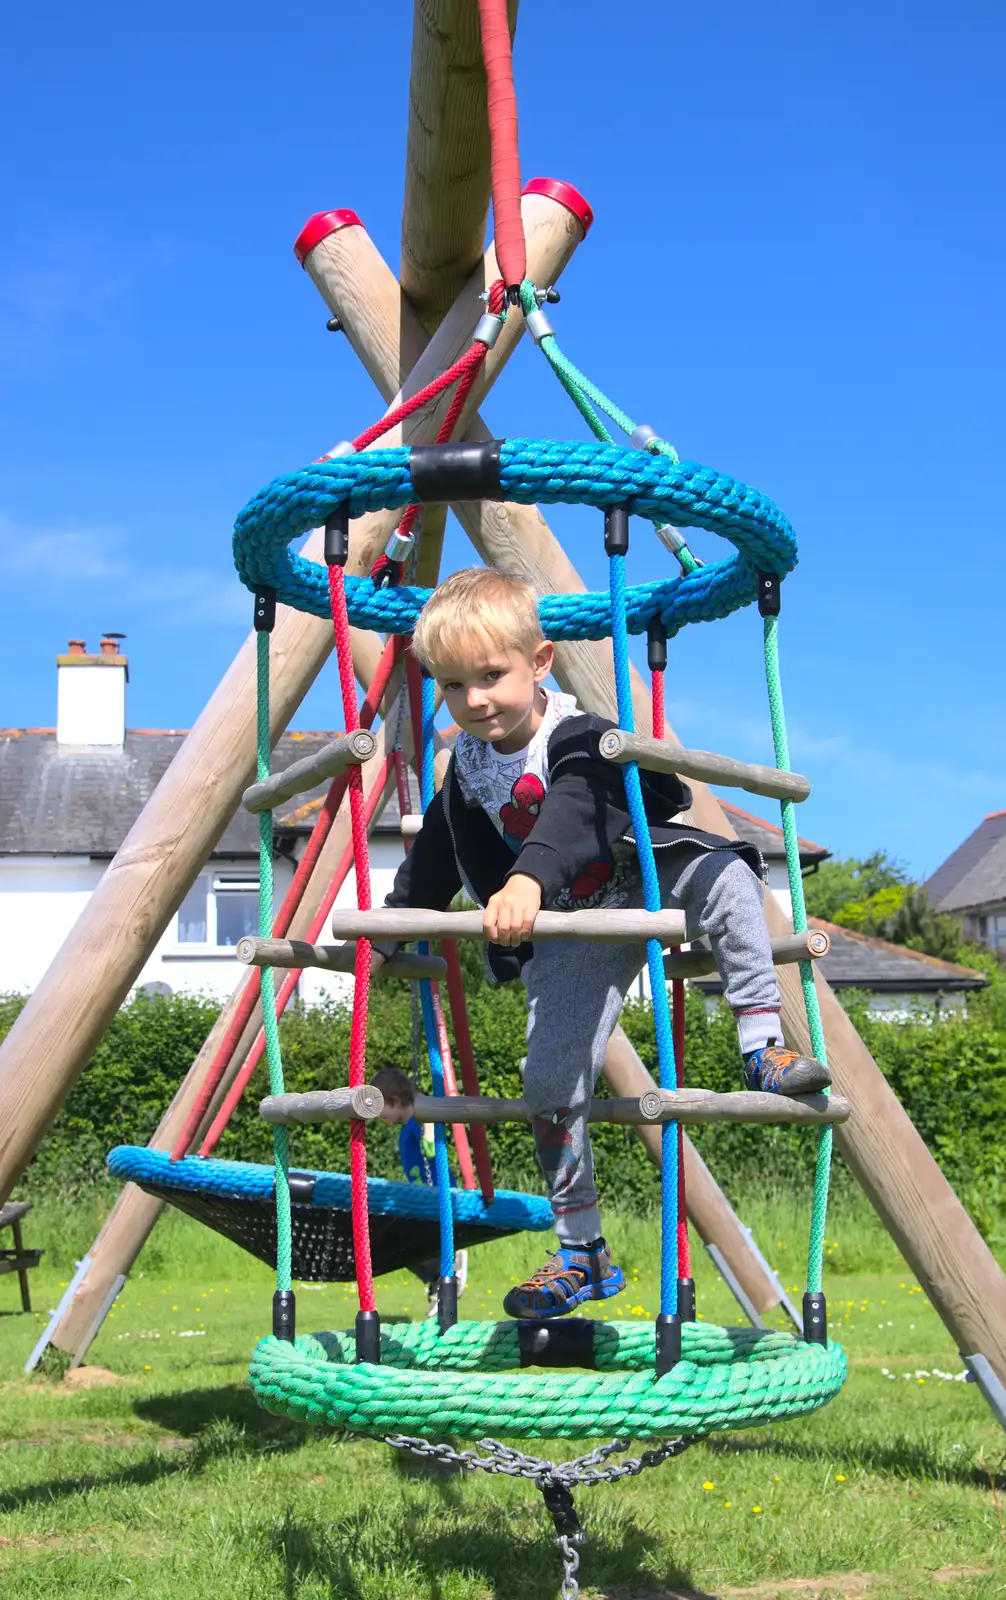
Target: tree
850,880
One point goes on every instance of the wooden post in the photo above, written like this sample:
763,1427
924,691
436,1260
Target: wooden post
447,155
103,955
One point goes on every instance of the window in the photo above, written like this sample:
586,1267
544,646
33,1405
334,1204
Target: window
218,910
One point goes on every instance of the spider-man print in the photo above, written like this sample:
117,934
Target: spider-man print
554,1144
521,812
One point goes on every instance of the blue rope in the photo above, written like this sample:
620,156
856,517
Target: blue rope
654,953
531,470
441,1165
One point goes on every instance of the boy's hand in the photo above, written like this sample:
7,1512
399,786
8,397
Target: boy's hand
509,915
376,962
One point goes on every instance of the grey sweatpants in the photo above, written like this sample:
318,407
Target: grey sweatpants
575,992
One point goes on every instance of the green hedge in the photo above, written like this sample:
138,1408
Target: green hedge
949,1073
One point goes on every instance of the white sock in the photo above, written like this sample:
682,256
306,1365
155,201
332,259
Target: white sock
755,1029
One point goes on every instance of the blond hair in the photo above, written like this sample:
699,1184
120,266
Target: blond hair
477,602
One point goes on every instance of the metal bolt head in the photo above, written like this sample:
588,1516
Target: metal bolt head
334,325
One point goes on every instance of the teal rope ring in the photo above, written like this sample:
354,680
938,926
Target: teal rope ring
531,471
466,1383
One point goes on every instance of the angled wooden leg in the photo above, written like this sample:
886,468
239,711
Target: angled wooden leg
22,1272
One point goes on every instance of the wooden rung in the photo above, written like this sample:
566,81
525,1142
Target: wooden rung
411,824
657,1105
333,958
786,948
349,750
659,755
323,1105
605,927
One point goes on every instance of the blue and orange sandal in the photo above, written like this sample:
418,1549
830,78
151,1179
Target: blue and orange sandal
776,1070
568,1277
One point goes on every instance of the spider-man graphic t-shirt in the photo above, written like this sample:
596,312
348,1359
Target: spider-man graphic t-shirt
510,789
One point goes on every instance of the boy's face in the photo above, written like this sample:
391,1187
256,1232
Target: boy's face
490,692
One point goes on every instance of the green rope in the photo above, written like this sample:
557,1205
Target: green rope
468,1382
586,396
284,1231
819,1213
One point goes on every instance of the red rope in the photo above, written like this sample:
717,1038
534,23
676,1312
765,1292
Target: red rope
501,102
289,985
284,917
678,1026
466,1061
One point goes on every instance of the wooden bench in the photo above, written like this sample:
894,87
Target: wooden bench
19,1259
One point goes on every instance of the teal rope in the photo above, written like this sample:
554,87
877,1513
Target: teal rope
284,1227
585,395
822,1171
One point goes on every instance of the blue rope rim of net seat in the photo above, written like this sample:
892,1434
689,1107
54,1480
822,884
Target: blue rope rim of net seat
237,1199
526,471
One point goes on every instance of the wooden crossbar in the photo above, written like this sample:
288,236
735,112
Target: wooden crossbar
657,1105
786,948
296,953
606,927
659,755
348,750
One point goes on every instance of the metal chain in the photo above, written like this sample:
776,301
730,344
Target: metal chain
555,1479
570,1567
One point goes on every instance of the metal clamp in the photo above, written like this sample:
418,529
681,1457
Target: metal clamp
642,437
400,546
538,325
343,448
488,329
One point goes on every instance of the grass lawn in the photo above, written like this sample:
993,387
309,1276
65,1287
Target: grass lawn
171,1482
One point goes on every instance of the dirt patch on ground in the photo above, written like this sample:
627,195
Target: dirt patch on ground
90,1378
835,1586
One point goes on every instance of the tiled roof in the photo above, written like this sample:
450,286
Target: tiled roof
975,875
60,800
769,838
858,961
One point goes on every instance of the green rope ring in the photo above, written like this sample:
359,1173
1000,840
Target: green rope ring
467,1382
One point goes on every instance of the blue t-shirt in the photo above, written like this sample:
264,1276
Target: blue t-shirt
418,1168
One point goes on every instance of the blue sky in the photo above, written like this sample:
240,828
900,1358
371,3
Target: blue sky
795,274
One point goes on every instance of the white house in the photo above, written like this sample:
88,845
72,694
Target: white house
69,795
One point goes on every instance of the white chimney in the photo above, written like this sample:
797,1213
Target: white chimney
91,694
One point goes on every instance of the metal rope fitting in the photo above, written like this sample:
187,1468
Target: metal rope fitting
669,537
642,437
538,325
551,294
488,329
400,546
343,448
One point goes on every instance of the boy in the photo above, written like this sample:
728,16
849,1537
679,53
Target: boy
416,1153
529,814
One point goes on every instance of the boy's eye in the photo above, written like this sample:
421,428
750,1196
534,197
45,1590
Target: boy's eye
494,673
450,688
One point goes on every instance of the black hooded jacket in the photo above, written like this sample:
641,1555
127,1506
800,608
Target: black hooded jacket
584,812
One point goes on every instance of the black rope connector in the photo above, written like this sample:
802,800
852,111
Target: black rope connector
458,470
686,1299
559,1504
616,530
368,1337
656,644
815,1319
769,594
447,1303
284,1315
668,1342
337,537
264,609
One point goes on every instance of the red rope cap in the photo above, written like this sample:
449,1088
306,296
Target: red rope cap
566,195
319,227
